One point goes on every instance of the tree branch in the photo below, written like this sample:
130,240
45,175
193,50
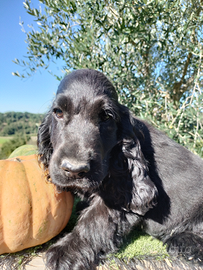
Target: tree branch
177,90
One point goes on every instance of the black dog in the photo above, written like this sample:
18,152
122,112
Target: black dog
128,172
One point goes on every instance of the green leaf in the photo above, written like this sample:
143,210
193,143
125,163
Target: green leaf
16,74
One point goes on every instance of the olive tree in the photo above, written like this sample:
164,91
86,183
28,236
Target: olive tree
151,50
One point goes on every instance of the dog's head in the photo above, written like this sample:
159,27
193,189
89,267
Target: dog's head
77,135
83,129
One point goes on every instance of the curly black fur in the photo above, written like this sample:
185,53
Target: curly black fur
128,172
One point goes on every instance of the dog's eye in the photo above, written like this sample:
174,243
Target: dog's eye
58,113
105,116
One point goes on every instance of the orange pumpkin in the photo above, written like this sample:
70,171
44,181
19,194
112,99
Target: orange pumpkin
31,210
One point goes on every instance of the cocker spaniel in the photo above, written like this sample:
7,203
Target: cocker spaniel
127,172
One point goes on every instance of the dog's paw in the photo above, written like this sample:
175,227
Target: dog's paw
187,245
57,259
60,257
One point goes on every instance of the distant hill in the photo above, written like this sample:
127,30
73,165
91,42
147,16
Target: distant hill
18,123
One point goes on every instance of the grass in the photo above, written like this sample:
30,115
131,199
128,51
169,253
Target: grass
4,139
139,245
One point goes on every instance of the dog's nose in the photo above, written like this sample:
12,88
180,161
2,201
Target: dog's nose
75,169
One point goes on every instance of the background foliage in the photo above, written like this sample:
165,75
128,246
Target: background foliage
151,50
9,146
16,129
18,123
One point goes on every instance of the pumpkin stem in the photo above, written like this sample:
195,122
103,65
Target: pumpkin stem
17,159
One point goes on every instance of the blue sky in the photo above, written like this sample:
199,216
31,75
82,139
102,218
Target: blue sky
32,94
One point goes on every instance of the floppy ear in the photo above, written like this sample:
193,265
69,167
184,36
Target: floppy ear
144,191
45,148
